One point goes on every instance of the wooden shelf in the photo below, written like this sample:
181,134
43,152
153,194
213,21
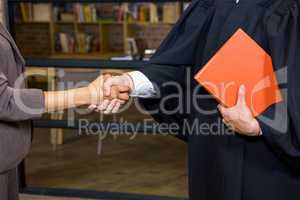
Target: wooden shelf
32,22
109,23
96,55
96,23
150,23
63,22
87,23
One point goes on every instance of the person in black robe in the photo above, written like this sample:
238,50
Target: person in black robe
235,167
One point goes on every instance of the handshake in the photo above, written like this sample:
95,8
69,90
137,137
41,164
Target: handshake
108,93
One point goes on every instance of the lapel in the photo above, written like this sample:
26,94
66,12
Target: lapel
11,41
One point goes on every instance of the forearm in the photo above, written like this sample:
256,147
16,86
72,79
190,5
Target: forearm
60,100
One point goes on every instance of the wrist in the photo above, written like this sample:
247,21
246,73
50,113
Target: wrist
129,81
83,96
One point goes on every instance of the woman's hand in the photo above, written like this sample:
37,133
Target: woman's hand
93,94
239,117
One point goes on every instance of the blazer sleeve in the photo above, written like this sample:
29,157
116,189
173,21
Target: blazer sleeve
19,104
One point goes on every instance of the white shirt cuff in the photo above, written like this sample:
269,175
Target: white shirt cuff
143,88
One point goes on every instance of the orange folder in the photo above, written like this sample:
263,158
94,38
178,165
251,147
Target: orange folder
241,61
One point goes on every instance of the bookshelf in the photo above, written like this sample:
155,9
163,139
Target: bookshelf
93,30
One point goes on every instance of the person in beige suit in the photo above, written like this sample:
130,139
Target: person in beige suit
18,105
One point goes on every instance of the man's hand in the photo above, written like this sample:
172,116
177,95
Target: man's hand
123,80
97,93
116,91
239,117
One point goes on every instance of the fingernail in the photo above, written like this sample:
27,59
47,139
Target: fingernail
92,107
100,108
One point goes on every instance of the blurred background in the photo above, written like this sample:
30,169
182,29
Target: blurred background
55,35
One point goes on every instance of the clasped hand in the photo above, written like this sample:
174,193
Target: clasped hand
110,93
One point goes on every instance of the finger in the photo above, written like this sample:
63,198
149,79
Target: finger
123,96
92,107
107,85
226,113
114,92
225,121
222,110
103,105
117,107
123,88
227,124
110,106
242,96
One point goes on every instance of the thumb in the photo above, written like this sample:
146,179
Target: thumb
107,76
242,96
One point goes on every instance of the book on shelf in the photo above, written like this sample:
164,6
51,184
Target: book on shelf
63,12
80,43
75,11
171,12
94,12
153,12
26,10
67,17
132,48
34,12
84,43
41,12
89,12
67,43
111,12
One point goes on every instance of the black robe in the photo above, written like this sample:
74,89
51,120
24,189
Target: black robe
226,167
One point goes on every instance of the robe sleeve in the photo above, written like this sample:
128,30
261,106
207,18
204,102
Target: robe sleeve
280,123
167,69
167,81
